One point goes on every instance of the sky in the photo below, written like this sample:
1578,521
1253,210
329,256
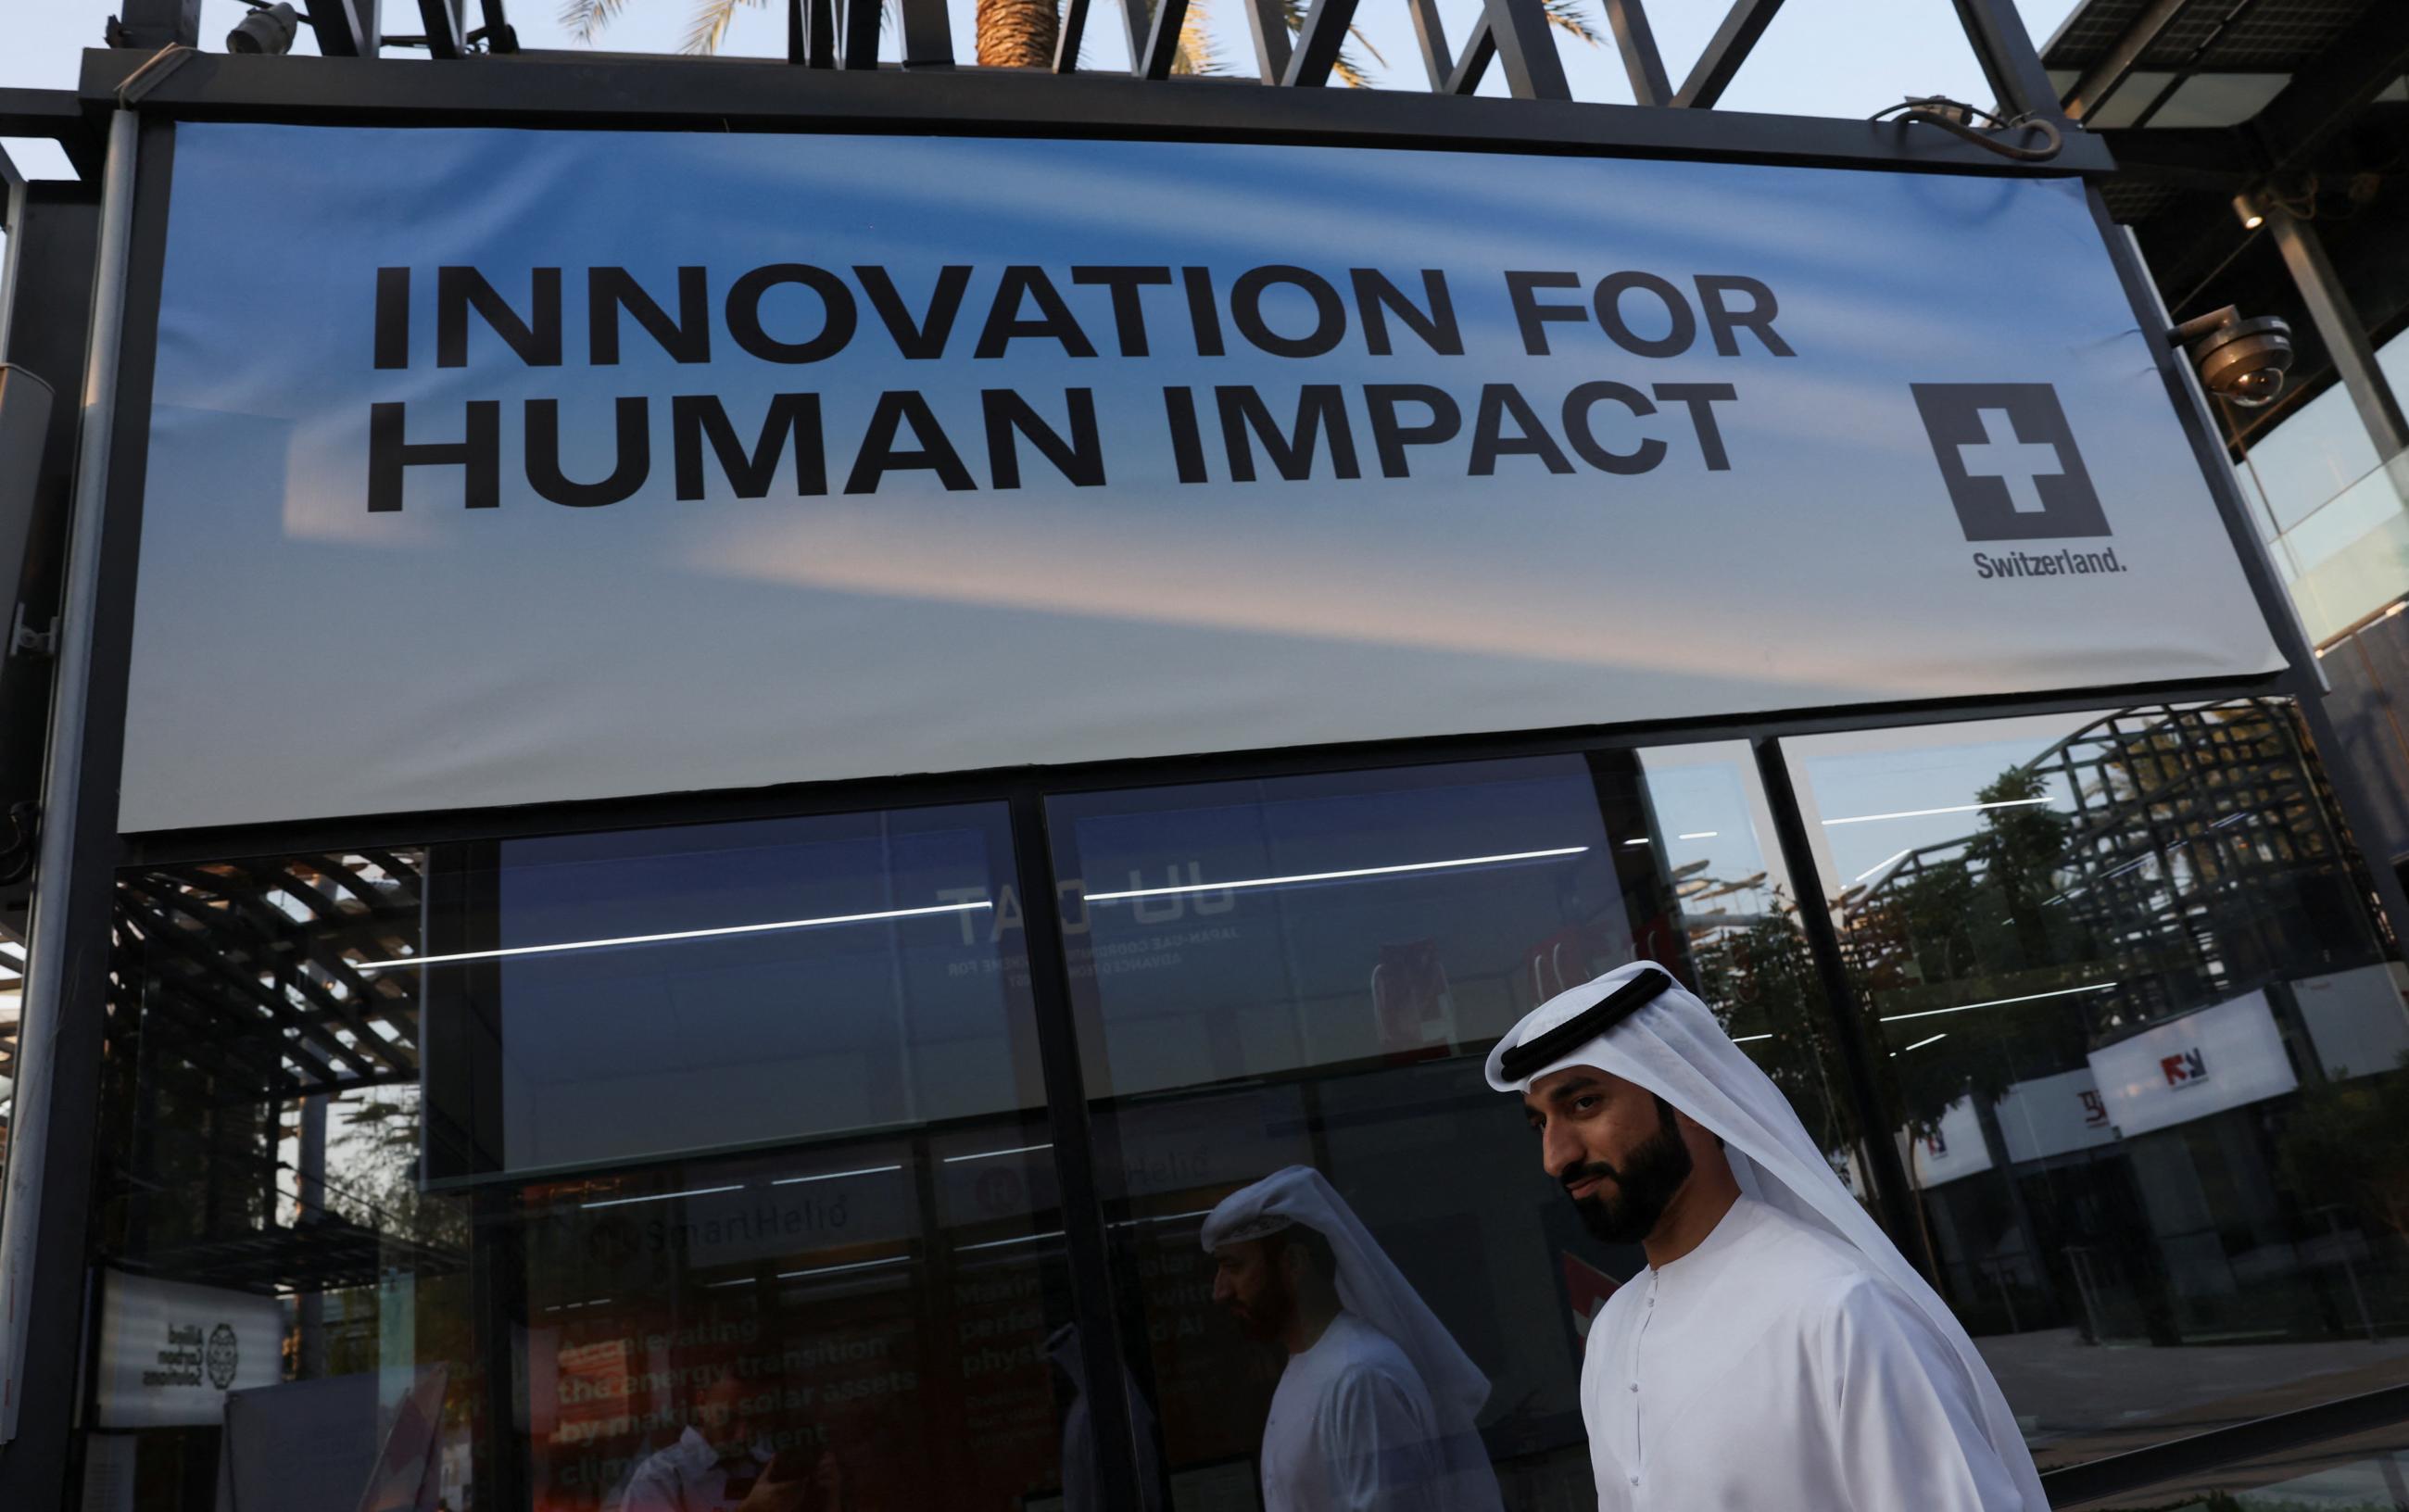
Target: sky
1820,57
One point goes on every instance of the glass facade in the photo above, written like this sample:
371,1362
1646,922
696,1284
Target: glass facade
649,1168
2141,1046
620,1171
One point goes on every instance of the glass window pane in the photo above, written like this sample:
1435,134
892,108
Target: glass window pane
619,1171
1307,972
2142,1041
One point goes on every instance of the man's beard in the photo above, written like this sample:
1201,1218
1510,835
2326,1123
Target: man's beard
1266,1321
1642,1187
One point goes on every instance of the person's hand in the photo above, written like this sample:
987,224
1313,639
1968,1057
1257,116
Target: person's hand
771,1494
828,1476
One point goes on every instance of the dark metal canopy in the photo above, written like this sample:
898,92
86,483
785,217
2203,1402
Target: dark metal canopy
2300,103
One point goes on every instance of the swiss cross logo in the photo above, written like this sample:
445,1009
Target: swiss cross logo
2185,1069
2009,460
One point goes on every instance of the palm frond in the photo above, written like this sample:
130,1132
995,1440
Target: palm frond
1572,18
584,19
1199,53
708,27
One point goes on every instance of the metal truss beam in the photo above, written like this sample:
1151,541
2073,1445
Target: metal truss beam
1161,48
2196,157
720,94
1480,51
1430,36
1268,28
344,28
445,38
1073,32
1637,41
1526,49
57,115
858,45
2005,50
1732,41
1318,42
819,33
927,35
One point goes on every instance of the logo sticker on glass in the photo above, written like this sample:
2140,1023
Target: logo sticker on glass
2010,461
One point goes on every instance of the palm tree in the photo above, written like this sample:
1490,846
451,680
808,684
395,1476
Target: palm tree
1021,33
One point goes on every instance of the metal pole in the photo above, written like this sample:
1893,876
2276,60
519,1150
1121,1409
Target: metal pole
1894,1193
1087,1248
2339,326
12,221
47,963
2004,49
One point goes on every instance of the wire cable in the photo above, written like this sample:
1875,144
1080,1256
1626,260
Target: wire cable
1952,115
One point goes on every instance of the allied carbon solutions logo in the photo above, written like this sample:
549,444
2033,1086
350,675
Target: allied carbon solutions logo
224,1357
2013,473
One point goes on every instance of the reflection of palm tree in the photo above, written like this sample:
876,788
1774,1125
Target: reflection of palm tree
1022,34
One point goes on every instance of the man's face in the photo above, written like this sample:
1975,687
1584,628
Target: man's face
1250,1284
1617,1150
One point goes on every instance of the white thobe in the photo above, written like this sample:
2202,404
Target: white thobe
1771,1370
687,1476
1351,1429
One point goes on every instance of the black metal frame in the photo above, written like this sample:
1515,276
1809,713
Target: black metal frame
765,96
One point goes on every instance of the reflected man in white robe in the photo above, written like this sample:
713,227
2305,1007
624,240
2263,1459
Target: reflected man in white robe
1375,1408
1779,1352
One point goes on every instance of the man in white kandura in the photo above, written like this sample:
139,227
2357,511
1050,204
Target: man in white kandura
1375,1409
1780,1353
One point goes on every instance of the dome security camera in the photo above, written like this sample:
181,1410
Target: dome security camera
2240,361
270,29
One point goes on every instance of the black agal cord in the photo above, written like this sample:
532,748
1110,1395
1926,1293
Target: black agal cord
1532,1055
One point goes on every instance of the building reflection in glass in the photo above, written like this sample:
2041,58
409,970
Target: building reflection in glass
2147,1055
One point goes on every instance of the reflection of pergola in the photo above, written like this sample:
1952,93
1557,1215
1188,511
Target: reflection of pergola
239,990
2198,844
250,970
12,982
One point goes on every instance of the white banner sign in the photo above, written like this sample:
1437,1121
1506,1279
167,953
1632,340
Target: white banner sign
499,467
2356,1019
2187,1068
1953,1148
170,1351
2055,1116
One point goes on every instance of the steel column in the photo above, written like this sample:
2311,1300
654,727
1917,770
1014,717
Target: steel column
1894,1195
2344,334
50,961
1101,1346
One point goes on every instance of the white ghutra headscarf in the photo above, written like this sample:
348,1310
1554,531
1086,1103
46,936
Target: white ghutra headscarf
1372,1288
1672,1046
